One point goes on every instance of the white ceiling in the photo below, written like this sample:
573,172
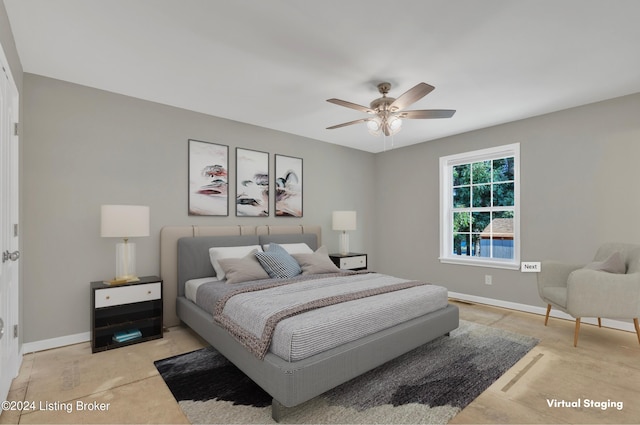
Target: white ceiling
273,63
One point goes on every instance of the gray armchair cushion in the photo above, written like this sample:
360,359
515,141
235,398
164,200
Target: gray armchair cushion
552,282
554,273
613,264
630,253
592,293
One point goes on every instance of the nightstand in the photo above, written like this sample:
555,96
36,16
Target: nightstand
350,261
119,308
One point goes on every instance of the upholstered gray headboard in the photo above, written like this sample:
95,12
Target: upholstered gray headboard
310,239
193,252
193,255
184,252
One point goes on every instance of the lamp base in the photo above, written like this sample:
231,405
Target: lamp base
121,281
344,243
126,262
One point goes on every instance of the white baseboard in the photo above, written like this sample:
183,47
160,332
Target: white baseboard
609,323
47,344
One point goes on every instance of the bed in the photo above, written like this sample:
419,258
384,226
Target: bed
185,258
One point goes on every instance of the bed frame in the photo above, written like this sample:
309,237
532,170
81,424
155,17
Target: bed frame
184,256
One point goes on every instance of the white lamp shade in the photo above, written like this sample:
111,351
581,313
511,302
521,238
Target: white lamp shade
124,221
344,220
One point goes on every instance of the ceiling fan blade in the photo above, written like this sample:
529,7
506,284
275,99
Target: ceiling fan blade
427,113
410,96
348,123
351,105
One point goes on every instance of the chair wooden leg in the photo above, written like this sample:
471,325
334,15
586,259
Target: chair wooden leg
635,322
599,322
546,318
575,336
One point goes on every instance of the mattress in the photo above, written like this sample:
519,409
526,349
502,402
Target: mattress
304,335
191,288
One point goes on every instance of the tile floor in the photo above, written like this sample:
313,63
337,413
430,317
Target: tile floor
124,382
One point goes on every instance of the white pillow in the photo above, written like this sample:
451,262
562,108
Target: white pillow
294,248
218,252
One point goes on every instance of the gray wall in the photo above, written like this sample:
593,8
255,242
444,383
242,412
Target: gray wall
85,147
578,189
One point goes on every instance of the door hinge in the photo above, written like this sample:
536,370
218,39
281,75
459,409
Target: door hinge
15,331
15,230
15,129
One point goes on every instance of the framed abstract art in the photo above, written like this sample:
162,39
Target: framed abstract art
252,183
208,178
288,186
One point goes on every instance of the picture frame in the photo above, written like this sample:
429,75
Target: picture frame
288,186
252,183
208,179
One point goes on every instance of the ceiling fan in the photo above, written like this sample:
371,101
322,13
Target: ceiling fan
388,112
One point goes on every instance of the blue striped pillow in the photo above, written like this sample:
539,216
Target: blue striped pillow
278,263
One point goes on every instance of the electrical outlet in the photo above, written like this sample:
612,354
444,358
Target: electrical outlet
488,279
530,267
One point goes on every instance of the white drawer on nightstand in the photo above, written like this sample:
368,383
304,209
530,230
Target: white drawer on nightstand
127,294
356,262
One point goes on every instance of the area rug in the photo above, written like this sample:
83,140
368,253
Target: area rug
430,384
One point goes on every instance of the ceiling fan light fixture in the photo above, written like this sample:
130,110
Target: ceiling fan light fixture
374,125
385,123
395,124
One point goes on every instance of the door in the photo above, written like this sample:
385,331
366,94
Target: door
10,357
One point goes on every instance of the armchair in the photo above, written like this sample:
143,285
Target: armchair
608,287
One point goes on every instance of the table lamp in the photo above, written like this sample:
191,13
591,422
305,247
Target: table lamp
125,221
343,221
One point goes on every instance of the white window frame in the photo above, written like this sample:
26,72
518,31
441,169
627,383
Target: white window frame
446,206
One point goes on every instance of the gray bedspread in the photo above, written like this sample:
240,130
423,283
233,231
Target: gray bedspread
366,303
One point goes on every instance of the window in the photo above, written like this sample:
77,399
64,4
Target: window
480,207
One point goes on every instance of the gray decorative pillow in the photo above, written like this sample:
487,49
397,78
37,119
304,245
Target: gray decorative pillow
613,264
244,269
278,262
316,263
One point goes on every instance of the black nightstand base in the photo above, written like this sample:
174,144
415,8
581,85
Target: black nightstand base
131,306
350,261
